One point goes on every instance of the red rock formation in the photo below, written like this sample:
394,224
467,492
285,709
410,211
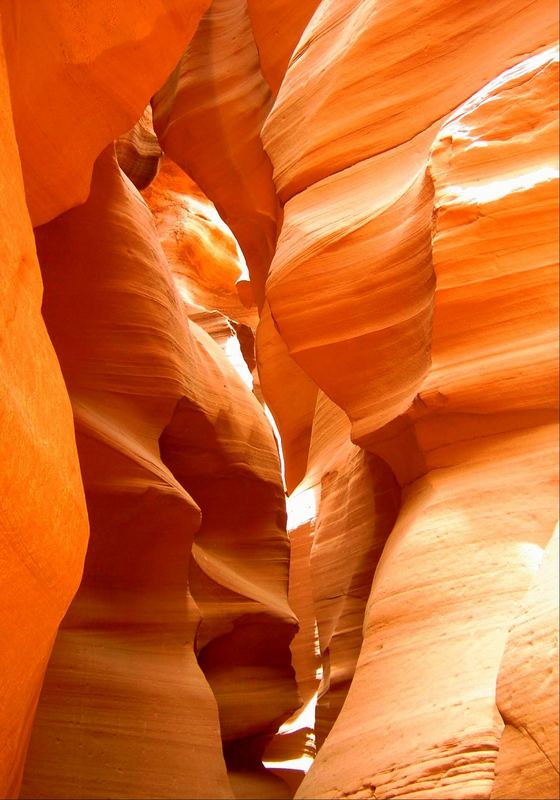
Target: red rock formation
208,118
149,399
358,504
277,26
527,692
80,77
292,406
202,252
355,188
465,450
138,151
43,520
123,661
406,349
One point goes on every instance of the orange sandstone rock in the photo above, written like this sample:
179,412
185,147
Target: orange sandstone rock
79,77
201,250
291,395
170,440
138,151
476,457
43,518
527,692
124,697
352,272
358,504
208,117
277,27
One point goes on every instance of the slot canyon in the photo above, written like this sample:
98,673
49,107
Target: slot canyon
278,402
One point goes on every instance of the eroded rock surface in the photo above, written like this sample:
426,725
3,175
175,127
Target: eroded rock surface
390,174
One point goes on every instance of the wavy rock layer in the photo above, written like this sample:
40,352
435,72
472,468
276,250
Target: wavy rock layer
358,202
43,521
208,117
477,447
203,254
358,504
124,658
138,151
79,79
527,692
160,417
405,347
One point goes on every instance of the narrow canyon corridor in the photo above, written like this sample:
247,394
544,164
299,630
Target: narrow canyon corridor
279,400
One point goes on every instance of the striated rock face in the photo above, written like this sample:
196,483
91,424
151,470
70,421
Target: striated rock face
208,117
138,151
347,239
162,426
277,26
527,692
358,504
355,186
204,256
79,78
43,522
476,446
124,659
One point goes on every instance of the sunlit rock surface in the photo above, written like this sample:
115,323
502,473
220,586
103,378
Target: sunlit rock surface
347,239
352,272
43,522
527,692
208,117
476,457
80,75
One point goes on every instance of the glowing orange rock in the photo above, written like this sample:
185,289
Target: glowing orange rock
208,118
42,509
474,453
138,151
527,692
358,501
277,26
123,661
202,252
170,441
291,394
349,138
81,78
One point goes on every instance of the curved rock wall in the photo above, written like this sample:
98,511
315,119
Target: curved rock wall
123,662
79,77
390,172
411,270
208,117
43,520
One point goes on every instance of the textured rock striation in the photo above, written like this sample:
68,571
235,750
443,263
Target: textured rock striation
138,151
208,117
79,77
473,415
388,307
124,658
43,521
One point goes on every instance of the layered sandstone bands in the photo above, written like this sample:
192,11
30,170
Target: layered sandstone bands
43,519
390,172
152,418
362,268
78,80
208,117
